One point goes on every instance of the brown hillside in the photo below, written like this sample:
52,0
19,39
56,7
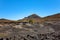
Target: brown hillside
55,17
35,18
6,21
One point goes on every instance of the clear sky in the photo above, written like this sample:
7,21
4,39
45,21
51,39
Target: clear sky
17,9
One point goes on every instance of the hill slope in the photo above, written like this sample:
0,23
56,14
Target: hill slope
55,17
35,18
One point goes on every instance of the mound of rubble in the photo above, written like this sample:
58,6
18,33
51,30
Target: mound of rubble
47,31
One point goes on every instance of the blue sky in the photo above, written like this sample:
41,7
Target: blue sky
18,9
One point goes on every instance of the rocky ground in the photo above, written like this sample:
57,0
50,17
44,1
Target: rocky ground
46,31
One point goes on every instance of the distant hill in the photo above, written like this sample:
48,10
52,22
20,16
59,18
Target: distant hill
33,17
36,18
5,20
55,17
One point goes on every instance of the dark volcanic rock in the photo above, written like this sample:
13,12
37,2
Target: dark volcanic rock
26,32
